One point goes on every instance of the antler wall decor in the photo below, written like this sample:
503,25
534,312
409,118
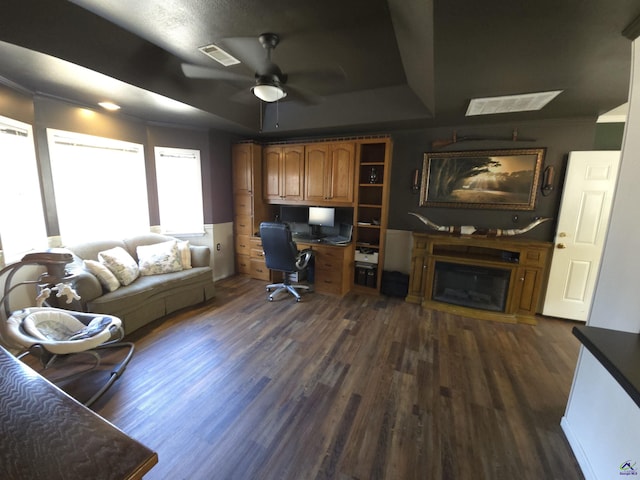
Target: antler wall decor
445,142
470,230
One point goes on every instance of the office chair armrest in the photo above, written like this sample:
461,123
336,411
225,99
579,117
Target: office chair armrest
303,258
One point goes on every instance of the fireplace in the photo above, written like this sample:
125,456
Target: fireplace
492,278
484,288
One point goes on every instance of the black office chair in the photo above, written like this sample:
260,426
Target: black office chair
281,253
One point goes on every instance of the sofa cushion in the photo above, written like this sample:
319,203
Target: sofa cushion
107,279
123,266
162,257
145,288
90,250
185,253
132,243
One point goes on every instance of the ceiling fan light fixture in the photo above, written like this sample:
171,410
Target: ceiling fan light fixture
268,91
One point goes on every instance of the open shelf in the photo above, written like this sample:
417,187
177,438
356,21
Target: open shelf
371,212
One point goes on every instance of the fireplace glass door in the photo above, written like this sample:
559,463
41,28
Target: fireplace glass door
485,288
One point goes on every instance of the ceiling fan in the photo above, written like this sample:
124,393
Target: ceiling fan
269,83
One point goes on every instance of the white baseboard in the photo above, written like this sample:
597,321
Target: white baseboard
579,453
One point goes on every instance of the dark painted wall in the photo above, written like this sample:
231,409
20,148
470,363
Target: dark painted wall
44,112
559,137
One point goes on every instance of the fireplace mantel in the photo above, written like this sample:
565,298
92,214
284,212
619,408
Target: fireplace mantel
525,263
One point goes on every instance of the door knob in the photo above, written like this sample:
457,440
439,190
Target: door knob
561,246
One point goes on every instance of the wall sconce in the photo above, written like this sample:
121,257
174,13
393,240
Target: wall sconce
415,181
548,177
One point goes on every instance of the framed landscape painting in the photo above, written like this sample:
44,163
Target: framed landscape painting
494,179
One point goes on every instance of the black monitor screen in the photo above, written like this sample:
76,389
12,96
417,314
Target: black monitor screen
291,214
324,216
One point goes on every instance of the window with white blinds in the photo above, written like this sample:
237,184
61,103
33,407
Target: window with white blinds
22,225
179,190
100,186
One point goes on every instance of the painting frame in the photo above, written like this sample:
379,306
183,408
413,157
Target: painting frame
483,179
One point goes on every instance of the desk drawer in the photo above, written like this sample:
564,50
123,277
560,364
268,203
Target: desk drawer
242,225
259,270
243,264
242,244
328,281
242,205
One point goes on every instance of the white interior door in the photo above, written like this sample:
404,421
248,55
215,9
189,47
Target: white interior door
582,227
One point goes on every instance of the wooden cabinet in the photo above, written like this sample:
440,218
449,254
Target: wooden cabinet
329,172
373,176
258,267
248,207
332,268
283,175
418,274
243,159
516,267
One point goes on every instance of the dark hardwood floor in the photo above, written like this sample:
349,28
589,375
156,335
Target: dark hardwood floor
358,387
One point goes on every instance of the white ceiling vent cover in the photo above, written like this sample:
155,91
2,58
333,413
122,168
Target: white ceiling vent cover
510,103
219,55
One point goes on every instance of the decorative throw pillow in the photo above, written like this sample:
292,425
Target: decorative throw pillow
157,258
121,264
185,254
107,279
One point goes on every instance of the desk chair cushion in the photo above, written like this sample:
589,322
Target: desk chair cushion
60,332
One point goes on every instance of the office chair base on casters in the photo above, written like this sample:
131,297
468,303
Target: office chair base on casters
291,287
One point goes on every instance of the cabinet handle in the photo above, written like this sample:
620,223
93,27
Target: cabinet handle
561,246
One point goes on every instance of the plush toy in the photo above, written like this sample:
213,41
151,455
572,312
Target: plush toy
66,290
63,289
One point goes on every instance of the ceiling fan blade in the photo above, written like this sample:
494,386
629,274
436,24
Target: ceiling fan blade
198,71
248,50
244,96
300,95
319,75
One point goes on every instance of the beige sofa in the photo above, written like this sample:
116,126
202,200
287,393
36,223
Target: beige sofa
148,297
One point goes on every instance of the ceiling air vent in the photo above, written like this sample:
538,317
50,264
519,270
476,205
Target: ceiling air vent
219,55
510,103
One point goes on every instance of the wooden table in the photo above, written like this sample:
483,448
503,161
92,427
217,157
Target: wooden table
46,434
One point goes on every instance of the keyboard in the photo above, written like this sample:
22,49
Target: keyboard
335,239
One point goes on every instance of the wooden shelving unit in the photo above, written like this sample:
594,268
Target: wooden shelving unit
370,212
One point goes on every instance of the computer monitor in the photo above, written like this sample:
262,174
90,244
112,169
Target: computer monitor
322,216
291,214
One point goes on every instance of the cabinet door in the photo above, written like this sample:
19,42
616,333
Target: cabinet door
292,172
418,277
315,167
272,189
242,155
527,290
341,172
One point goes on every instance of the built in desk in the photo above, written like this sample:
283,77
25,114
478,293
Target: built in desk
46,434
619,354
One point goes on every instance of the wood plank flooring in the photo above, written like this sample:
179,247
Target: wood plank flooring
358,387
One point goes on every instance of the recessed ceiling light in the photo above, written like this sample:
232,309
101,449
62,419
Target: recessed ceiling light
510,103
109,106
219,55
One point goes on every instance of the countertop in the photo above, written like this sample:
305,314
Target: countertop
618,352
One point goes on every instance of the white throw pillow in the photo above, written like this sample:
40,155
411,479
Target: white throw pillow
185,254
158,258
107,279
121,264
